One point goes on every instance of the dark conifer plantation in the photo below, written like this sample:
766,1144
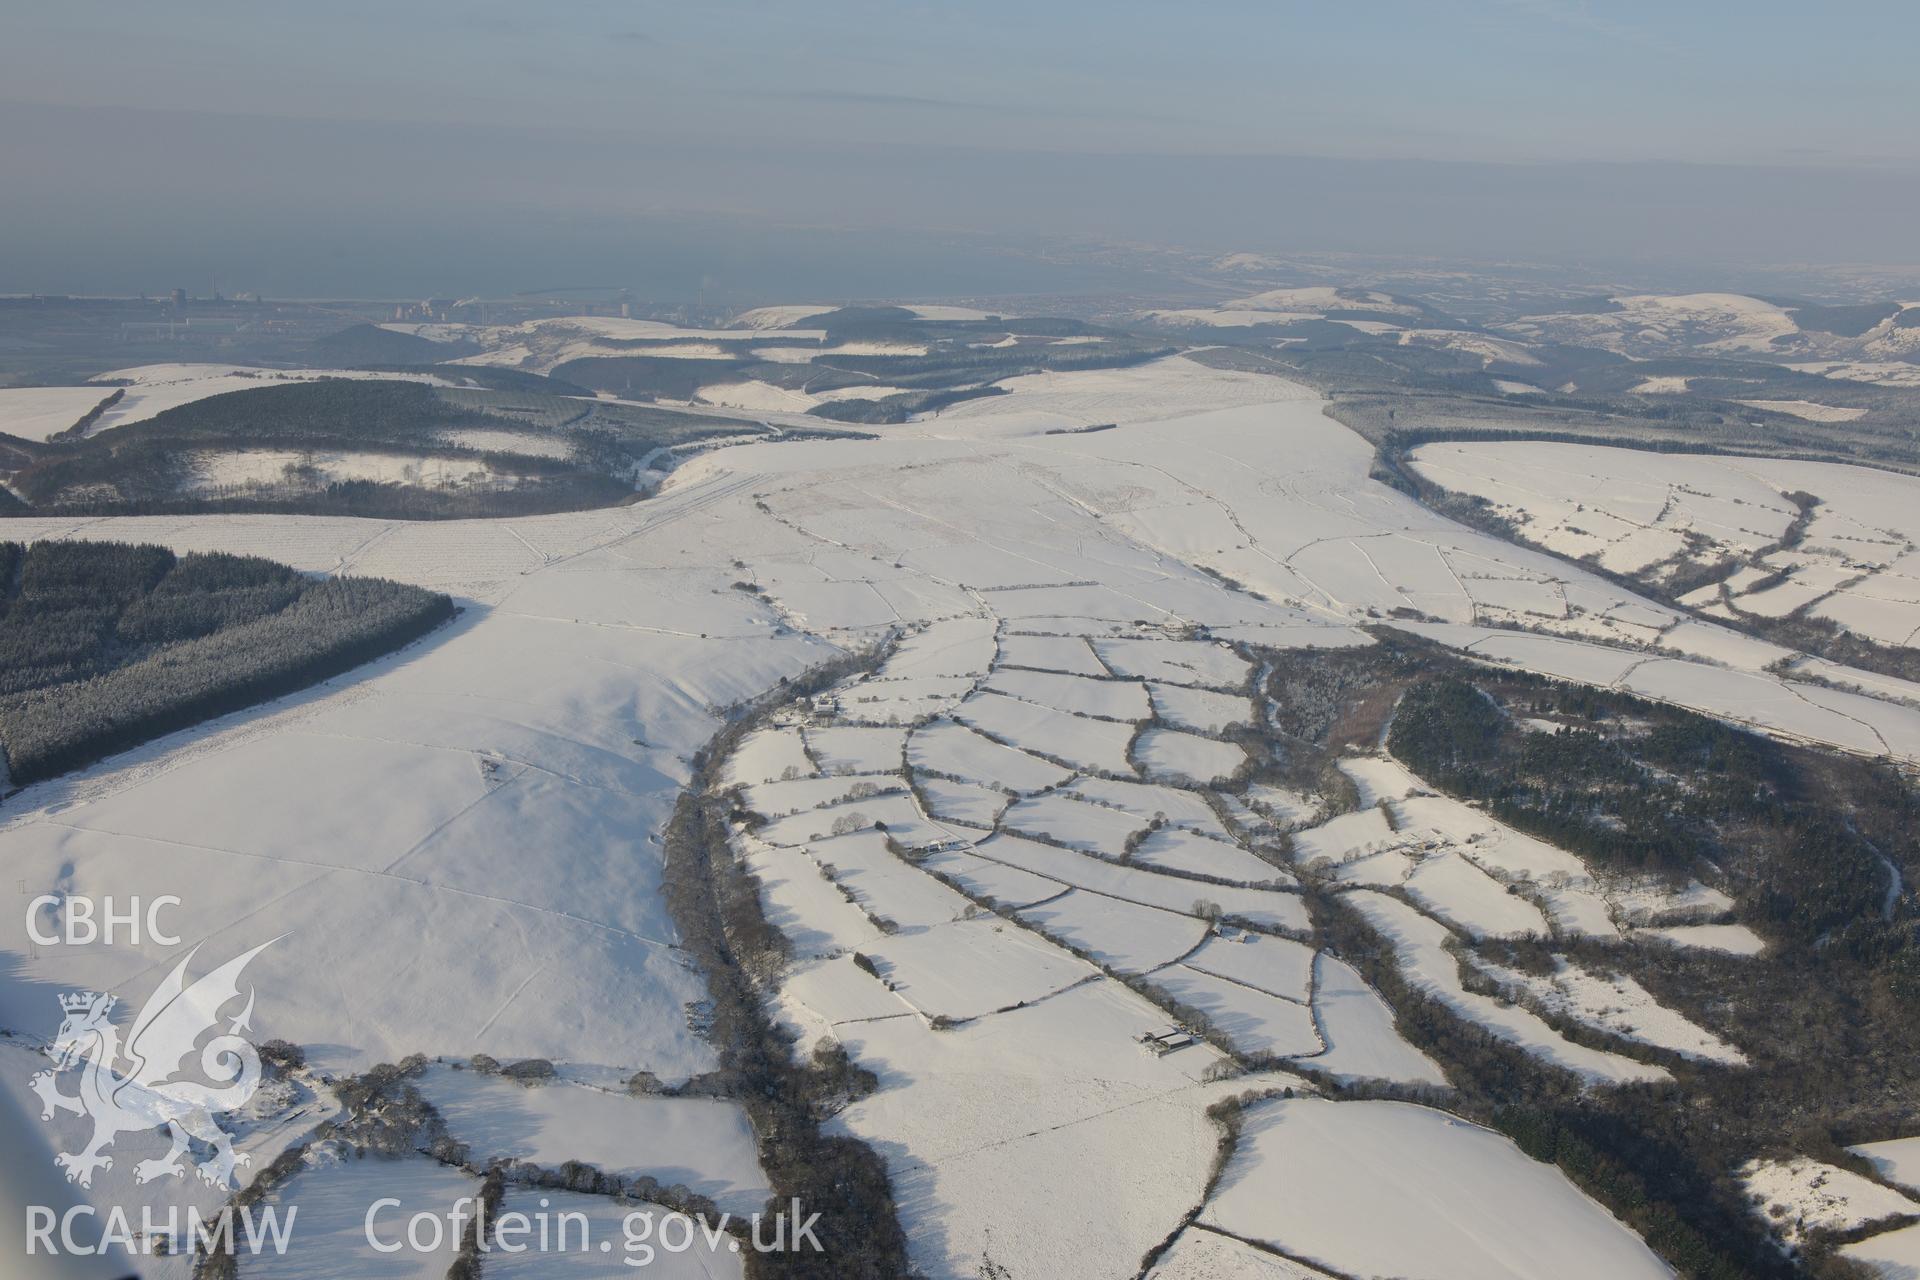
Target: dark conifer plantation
104,645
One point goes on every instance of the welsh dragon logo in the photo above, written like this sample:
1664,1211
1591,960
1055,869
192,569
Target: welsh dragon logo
130,1089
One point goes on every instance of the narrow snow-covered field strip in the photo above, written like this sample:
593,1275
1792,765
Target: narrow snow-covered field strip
1419,943
1266,907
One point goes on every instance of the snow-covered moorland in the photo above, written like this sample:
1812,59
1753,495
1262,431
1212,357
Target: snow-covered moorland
458,849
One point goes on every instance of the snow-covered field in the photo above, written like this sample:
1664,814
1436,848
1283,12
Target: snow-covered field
781,316
1801,1195
1203,710
534,444
1890,373
501,788
1897,1160
704,1143
215,472
331,1198
1381,1189
1199,1253
1857,562
1811,410
1169,388
756,396
34,413
1895,1255
1175,755
1070,654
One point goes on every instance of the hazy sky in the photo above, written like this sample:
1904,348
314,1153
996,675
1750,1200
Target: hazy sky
246,127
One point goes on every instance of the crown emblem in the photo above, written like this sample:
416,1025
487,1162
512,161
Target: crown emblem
77,1001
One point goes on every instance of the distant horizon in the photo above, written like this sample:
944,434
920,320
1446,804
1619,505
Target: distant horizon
740,150
107,199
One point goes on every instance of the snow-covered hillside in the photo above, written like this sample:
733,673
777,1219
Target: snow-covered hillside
461,845
1652,325
154,388
1282,306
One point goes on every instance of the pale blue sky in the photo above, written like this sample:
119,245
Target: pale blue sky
1481,127
1511,80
